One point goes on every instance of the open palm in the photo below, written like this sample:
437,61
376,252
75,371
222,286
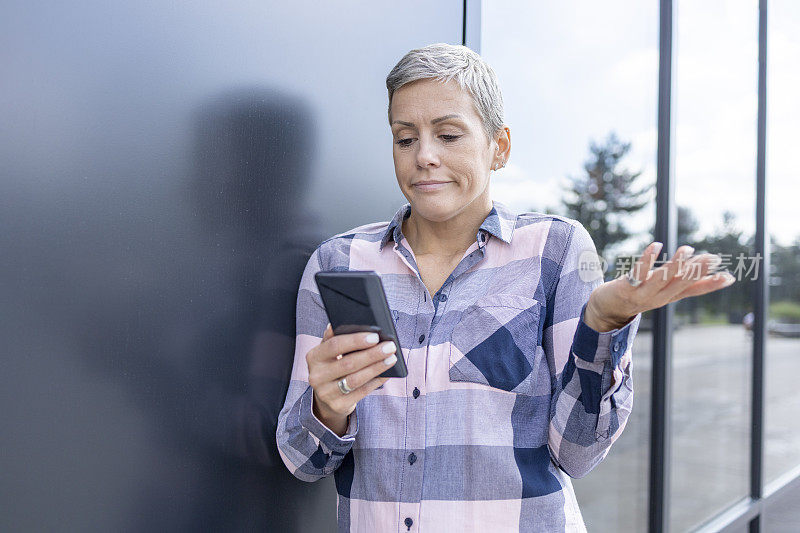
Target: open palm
683,276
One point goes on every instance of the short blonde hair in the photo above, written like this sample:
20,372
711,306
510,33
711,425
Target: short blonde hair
444,62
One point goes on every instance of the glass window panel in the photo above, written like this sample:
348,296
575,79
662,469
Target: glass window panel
715,108
781,513
782,365
570,76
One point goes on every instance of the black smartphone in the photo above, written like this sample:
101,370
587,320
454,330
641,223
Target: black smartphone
355,301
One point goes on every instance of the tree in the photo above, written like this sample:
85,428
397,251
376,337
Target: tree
605,195
730,241
785,272
687,225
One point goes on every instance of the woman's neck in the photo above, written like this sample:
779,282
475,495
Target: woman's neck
450,237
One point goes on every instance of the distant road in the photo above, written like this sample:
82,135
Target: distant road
710,429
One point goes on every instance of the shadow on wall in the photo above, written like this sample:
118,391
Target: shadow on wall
204,342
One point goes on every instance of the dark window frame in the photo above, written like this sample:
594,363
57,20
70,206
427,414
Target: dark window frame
748,512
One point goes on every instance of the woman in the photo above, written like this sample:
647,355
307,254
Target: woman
519,359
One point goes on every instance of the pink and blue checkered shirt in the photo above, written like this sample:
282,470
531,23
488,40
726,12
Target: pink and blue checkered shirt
509,392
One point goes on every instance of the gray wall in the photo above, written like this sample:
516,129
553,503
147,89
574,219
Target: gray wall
166,169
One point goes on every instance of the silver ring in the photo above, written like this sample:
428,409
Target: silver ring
633,281
343,386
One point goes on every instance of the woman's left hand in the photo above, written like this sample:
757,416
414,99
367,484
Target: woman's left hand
614,303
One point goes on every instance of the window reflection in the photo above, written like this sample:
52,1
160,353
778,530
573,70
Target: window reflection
782,350
580,90
715,106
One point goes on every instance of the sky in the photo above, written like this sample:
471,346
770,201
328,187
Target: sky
573,72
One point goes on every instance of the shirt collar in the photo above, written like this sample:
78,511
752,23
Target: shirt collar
500,222
392,231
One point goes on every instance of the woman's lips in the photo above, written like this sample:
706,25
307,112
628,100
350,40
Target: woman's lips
430,186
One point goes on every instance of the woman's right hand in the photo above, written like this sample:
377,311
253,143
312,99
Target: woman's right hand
356,356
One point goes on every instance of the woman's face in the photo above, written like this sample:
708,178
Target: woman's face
442,156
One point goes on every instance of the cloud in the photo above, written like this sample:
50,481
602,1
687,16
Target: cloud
573,75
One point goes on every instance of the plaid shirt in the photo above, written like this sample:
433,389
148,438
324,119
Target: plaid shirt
508,391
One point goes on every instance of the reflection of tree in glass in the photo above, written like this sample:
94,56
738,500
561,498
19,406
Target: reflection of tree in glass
687,225
605,196
728,240
784,290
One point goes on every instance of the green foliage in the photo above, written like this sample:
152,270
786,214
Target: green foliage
785,272
785,311
687,225
730,242
605,196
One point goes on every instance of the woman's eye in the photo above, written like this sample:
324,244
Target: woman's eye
446,138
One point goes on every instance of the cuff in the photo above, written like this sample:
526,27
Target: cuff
593,346
329,440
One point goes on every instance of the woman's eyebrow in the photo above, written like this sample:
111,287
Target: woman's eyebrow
434,121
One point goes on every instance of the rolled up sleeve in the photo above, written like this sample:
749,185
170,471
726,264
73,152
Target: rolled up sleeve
309,449
592,391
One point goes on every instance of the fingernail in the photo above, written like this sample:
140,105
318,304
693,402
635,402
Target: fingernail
657,247
389,347
389,361
372,338
729,279
689,251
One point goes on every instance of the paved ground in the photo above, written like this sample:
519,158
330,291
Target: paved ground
711,430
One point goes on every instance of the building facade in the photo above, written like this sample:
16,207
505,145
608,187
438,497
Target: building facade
167,170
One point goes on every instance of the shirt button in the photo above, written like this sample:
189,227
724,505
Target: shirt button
442,297
616,346
421,338
408,522
416,393
412,458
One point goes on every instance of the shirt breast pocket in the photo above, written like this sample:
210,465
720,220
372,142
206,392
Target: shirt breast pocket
496,343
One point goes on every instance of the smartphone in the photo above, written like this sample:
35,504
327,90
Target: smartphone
355,301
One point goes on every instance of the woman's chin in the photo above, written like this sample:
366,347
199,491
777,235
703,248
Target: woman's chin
435,210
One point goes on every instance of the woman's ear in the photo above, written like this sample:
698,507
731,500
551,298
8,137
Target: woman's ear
502,144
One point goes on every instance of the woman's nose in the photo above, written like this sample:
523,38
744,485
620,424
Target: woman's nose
427,154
